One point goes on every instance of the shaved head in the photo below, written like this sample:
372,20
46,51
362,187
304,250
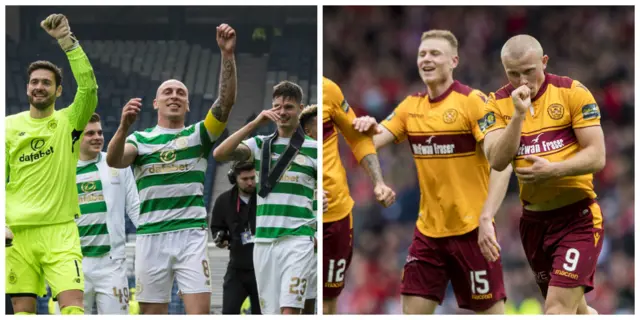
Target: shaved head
518,46
171,82
172,103
524,62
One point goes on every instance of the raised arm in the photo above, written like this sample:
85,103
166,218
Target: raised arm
119,153
233,149
86,98
216,119
501,144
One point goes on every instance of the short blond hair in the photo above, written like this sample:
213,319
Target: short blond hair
308,113
441,34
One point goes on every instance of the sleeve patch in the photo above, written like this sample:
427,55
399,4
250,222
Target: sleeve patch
345,105
390,116
482,124
590,111
487,121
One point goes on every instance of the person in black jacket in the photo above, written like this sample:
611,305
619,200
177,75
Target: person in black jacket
233,224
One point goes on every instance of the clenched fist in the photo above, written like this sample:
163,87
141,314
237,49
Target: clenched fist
226,37
56,25
130,112
384,194
521,98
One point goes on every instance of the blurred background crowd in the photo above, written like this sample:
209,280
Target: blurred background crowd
371,53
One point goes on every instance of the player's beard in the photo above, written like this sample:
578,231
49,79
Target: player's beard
43,104
248,190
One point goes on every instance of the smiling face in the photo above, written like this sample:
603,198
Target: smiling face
288,110
93,140
172,100
436,60
41,89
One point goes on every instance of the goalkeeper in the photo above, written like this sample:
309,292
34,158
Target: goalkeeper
42,147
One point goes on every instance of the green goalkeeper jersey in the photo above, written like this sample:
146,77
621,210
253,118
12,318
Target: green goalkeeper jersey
41,155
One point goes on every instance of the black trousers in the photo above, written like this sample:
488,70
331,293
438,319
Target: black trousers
238,284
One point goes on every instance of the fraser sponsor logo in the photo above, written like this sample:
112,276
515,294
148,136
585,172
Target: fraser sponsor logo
537,146
431,148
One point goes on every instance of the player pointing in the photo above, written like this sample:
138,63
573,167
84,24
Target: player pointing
42,148
169,162
549,127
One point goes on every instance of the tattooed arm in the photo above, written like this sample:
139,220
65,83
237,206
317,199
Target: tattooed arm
227,89
232,147
216,119
371,164
383,193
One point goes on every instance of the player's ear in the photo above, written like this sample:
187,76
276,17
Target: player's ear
545,60
155,104
58,91
455,60
188,106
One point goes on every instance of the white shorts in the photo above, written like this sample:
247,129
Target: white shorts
106,285
283,270
312,287
159,257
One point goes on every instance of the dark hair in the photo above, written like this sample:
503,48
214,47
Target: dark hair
236,168
94,118
243,166
288,89
41,64
307,114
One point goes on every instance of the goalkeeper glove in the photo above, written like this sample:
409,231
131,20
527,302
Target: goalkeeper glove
57,26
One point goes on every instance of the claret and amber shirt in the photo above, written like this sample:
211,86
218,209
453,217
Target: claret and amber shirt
560,106
337,115
444,135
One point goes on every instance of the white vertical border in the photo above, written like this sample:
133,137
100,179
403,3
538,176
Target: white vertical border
320,158
3,96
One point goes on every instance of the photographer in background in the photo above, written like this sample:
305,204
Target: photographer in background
233,224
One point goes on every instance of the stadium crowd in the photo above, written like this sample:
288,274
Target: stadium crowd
371,52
